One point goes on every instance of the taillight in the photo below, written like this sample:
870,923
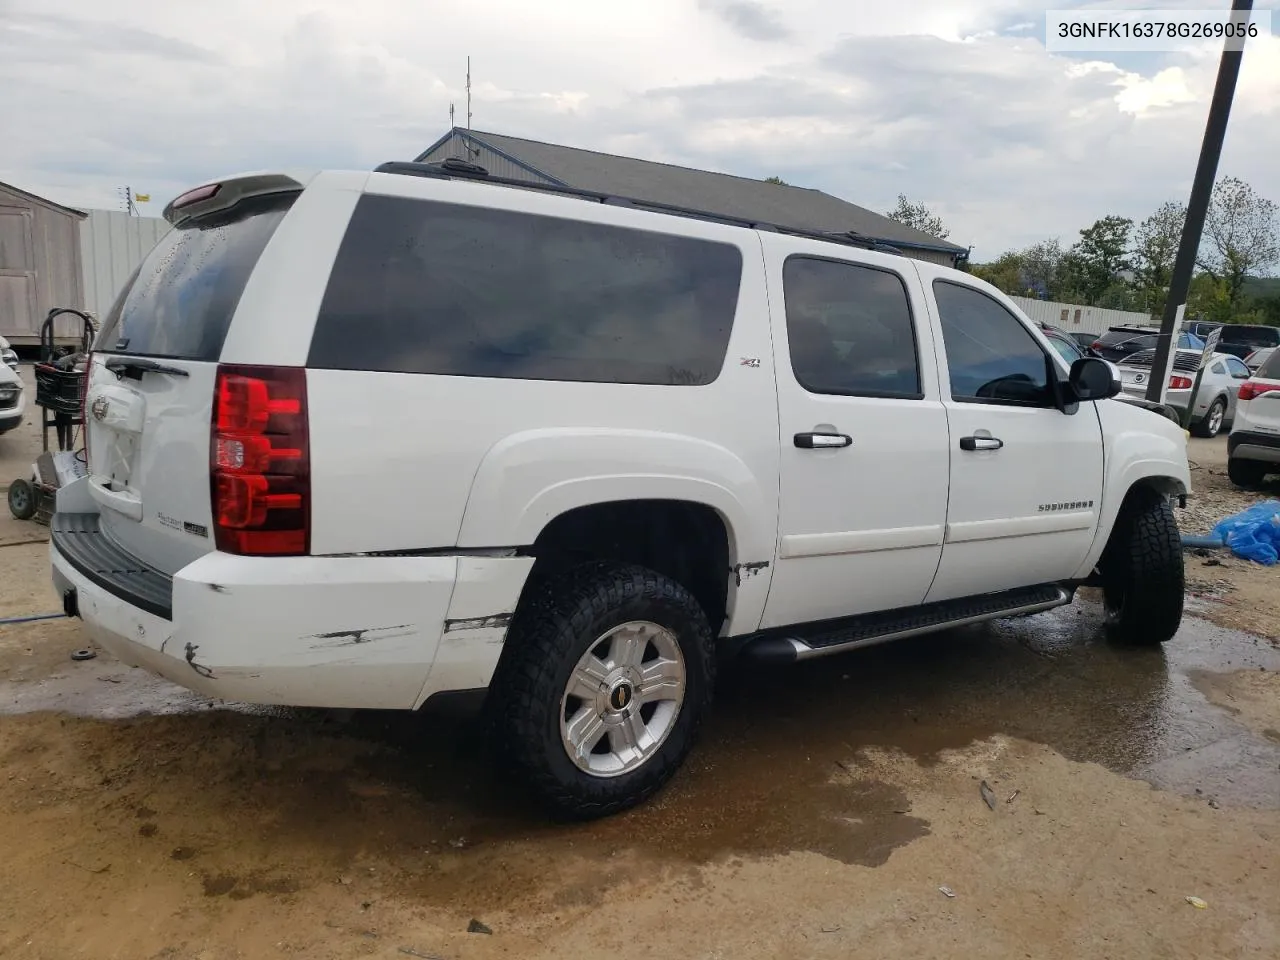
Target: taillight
1252,388
1179,383
260,469
1097,345
206,192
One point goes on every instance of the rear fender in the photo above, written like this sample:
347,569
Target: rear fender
528,479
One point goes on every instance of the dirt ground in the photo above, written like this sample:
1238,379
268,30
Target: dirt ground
821,815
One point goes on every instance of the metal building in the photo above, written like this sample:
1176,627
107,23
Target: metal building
112,244
740,197
40,265
1075,318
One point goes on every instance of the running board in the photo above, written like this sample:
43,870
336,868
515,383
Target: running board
836,636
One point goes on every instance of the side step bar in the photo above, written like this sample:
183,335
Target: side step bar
836,636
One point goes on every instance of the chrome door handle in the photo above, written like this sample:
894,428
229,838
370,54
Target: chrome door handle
822,441
980,443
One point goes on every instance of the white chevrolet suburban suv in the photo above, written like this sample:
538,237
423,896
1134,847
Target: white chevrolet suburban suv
358,439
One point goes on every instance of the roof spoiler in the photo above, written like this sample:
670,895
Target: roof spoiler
225,193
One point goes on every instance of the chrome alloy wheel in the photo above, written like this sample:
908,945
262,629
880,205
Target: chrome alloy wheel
622,699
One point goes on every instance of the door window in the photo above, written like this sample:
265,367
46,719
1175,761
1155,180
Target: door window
992,356
849,329
1237,368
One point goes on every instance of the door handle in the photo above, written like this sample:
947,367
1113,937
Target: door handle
822,441
980,443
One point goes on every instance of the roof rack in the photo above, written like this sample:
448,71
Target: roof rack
456,169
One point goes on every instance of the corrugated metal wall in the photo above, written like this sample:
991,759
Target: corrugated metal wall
112,243
1075,318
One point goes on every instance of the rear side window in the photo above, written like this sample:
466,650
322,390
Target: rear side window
992,356
427,287
849,329
180,300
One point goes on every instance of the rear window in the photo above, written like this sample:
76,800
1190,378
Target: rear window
1128,337
1270,369
180,301
427,287
1253,336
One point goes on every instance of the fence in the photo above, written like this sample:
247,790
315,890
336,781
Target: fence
1078,319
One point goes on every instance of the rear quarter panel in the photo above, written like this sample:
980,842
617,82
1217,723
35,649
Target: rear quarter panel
410,461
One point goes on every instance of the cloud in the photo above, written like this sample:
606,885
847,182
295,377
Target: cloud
750,18
1008,143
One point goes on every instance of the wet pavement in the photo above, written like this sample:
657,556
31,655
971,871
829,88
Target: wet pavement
779,767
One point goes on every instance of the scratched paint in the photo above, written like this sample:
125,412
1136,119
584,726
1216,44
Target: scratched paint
499,620
341,638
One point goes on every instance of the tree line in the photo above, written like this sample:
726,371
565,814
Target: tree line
1122,265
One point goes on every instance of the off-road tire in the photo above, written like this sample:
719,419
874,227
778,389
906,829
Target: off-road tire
551,631
1202,429
1246,474
1142,571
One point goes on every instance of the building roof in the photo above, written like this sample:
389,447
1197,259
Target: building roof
10,188
723,193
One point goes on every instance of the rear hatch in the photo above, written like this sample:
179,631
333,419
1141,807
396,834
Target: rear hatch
1115,345
149,398
1135,371
1263,412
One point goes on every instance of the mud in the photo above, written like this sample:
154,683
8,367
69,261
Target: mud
232,830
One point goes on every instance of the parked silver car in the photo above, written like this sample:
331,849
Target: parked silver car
1215,402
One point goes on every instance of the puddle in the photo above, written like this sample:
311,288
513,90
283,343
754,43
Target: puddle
776,770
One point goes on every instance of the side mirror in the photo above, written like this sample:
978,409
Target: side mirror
1093,379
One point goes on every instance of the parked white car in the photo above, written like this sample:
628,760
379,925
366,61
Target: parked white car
8,356
1253,448
12,398
359,439
1215,401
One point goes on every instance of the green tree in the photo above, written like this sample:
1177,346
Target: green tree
1155,247
1208,299
1099,256
920,217
1242,235
777,180
1003,273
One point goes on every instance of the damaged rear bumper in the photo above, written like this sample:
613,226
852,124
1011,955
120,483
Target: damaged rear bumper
356,632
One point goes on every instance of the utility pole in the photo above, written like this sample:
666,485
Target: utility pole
1215,131
469,90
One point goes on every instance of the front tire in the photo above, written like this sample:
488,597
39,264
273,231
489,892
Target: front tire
1211,425
1143,580
607,677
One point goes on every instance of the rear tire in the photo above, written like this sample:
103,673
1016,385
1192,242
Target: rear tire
1246,474
1142,571
23,500
1211,425
563,640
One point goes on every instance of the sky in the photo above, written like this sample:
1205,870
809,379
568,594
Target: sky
955,103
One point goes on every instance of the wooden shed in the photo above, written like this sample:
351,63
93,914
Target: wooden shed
40,264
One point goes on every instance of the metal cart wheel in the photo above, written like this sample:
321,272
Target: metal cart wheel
23,501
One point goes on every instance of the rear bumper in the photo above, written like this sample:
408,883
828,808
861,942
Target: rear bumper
359,632
9,420
1260,447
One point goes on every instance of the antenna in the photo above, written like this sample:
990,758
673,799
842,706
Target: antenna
468,93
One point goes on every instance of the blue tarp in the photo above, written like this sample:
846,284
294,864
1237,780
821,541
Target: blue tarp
1253,533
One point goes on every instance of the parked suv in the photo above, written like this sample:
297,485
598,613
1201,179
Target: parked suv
356,440
1253,448
1240,340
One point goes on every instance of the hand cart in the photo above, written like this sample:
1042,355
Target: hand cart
60,386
